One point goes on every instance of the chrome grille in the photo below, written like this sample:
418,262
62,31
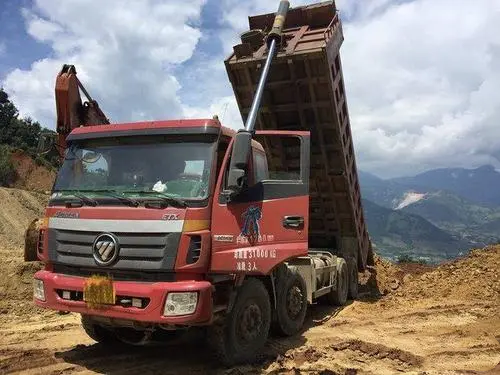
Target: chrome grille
145,251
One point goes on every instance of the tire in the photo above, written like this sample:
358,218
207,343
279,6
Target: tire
338,296
251,310
353,279
98,333
291,302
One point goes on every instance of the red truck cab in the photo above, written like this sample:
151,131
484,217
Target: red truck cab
139,231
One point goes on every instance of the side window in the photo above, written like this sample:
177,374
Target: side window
260,166
281,155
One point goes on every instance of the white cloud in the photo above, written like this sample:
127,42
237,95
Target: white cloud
124,52
420,81
421,76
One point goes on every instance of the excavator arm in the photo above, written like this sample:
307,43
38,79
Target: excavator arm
71,113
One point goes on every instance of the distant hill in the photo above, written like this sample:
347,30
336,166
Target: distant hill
480,185
396,233
386,193
466,220
470,221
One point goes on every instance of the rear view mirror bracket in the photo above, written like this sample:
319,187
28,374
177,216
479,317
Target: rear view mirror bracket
238,166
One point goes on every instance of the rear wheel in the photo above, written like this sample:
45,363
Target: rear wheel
353,279
240,338
338,295
291,304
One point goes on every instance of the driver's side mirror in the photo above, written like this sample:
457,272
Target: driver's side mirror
239,163
46,142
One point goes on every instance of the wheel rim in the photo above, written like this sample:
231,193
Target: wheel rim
250,323
294,302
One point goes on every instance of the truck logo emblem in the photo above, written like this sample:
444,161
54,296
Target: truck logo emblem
105,249
251,219
223,238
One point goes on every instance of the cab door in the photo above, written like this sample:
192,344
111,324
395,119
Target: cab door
267,223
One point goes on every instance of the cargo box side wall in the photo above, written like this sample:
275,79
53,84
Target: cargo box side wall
305,91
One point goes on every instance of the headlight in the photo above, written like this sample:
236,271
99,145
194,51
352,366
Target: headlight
180,303
38,290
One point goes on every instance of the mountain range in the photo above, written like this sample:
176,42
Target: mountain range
434,216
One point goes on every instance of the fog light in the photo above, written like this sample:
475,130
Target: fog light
137,302
38,290
66,294
180,303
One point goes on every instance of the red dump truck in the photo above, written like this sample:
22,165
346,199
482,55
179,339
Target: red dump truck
155,227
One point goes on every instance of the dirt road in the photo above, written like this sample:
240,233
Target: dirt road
444,320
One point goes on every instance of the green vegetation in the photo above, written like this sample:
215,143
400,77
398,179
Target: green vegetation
7,170
406,258
19,134
399,234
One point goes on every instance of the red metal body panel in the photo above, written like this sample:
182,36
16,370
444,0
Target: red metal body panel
272,244
194,123
156,292
259,254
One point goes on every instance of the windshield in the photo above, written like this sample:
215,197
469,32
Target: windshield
174,167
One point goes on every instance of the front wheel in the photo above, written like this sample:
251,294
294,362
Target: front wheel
97,332
246,328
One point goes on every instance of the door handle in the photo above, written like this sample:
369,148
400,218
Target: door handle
293,222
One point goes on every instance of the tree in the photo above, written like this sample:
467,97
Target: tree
19,133
7,170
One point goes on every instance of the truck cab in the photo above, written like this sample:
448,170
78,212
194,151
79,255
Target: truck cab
139,222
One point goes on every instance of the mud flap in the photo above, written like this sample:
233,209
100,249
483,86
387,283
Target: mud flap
31,241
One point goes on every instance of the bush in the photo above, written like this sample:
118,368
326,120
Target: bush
22,133
406,258
7,170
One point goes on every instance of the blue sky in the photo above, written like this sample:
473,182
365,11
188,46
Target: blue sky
19,49
421,75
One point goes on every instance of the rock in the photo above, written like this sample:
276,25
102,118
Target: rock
395,284
407,278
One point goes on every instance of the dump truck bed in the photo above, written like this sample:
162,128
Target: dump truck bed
305,91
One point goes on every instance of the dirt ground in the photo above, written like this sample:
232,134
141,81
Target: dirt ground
409,319
30,175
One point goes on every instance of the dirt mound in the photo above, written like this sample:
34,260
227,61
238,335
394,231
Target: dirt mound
19,208
30,175
381,279
476,276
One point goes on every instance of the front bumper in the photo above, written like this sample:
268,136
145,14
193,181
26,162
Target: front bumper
156,293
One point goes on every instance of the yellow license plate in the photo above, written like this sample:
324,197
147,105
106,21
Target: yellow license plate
98,291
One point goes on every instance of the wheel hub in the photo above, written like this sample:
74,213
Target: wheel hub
250,322
294,301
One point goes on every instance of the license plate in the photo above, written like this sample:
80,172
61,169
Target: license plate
99,291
